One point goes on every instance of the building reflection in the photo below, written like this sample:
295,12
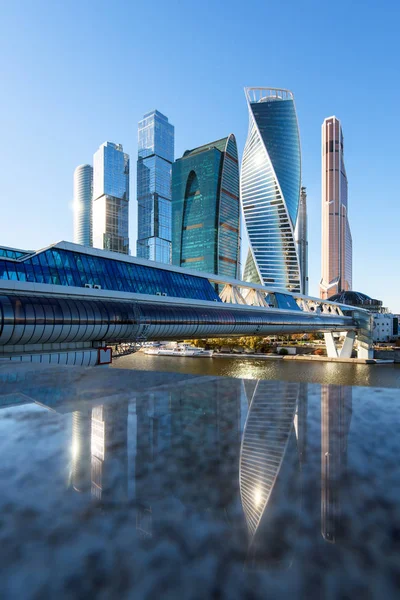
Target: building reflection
182,448
269,468
187,449
265,439
300,422
109,445
336,412
81,450
175,439
277,471
152,441
99,452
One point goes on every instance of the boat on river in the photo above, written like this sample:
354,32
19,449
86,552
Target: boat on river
182,349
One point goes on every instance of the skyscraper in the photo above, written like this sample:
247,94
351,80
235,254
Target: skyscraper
82,206
155,158
337,261
111,198
270,188
205,208
302,241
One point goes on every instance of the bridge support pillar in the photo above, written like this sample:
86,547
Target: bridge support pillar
347,348
365,351
331,350
348,344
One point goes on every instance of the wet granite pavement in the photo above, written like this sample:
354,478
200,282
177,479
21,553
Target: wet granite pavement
127,484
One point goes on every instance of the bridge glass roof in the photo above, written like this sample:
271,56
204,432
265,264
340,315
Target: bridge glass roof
57,266
13,253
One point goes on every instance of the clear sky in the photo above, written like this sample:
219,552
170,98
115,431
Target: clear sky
77,73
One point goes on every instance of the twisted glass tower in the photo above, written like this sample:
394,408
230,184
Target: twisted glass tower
83,184
270,189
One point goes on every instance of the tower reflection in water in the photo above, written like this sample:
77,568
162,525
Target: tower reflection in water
275,464
187,451
179,444
336,411
184,448
269,469
99,452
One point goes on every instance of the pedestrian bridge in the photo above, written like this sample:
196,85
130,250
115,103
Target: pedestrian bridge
65,302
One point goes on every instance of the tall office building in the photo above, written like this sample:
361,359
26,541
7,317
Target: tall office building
337,261
82,206
111,198
270,188
205,208
155,158
302,241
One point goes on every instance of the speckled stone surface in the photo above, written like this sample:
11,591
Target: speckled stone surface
124,484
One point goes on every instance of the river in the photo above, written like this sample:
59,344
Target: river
123,482
383,375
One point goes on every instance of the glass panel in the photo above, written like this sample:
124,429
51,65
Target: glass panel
50,258
57,258
43,259
12,274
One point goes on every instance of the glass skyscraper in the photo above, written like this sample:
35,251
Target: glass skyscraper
337,259
206,209
155,158
270,189
82,206
111,198
302,240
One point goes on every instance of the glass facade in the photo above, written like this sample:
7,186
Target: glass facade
155,158
302,240
205,209
111,198
63,267
12,253
250,272
337,252
270,187
83,190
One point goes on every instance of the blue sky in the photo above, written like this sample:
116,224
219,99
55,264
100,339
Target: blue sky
76,74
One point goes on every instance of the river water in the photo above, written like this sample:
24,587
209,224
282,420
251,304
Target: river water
128,483
384,375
